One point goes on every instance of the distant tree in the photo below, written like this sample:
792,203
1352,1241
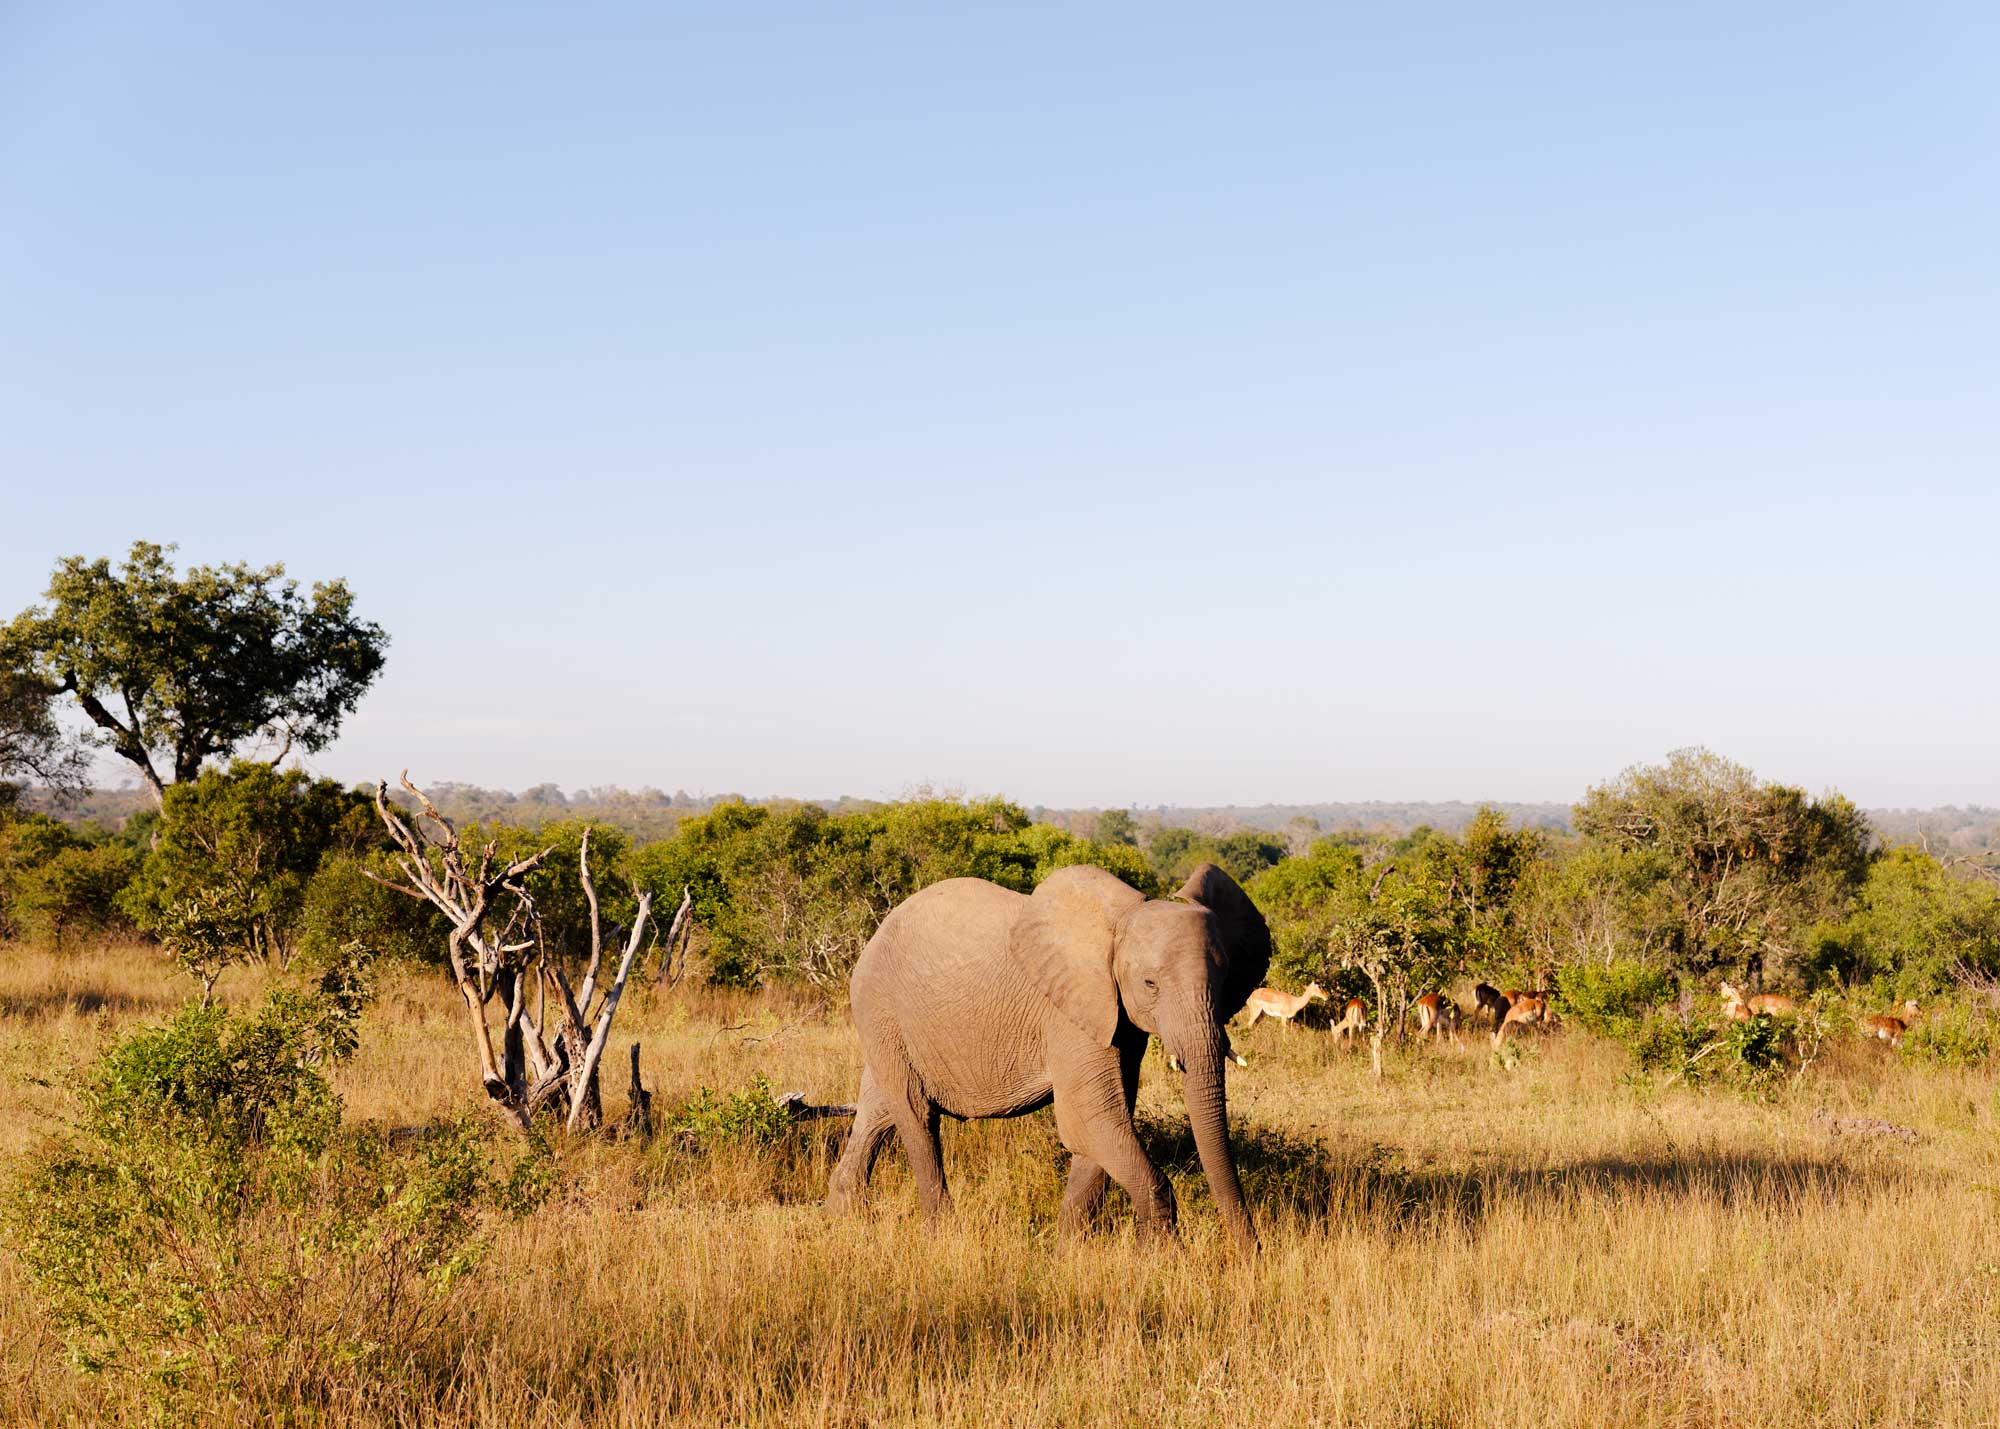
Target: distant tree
1117,826
1395,926
1299,898
1480,872
795,892
1247,854
344,908
180,669
1174,851
1581,904
1050,848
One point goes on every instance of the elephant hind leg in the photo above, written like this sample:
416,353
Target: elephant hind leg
873,1126
917,1124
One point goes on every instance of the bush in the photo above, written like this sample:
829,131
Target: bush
1678,1046
1612,999
752,1115
208,1234
344,906
1698,1051
1755,1046
1914,925
76,890
1954,1035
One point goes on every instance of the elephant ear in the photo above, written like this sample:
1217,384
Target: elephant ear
1246,938
1062,940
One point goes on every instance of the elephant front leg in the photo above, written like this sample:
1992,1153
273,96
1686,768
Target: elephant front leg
1083,1194
1094,1120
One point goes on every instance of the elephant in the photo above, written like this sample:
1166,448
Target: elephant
976,1001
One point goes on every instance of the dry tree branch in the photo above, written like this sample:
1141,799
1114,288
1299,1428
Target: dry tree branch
602,1033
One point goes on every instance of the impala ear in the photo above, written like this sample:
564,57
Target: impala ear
1062,939
1246,939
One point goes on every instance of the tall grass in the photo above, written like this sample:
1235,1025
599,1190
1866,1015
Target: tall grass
1461,1243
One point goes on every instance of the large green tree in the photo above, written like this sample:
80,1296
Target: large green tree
174,669
1727,872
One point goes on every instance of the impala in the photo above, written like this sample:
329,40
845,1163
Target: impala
1488,998
1891,1029
1352,1020
1524,1010
1269,1002
1437,1015
1764,1004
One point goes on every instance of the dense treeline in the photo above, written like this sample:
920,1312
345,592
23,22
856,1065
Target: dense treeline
1692,869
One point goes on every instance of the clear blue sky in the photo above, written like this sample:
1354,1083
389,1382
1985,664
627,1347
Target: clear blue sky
1095,404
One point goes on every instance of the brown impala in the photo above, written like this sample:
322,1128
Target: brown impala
1891,1029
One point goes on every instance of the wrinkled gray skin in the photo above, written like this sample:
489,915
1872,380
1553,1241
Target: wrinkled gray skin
975,1001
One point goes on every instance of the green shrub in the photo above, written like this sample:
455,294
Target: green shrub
1953,1035
1612,999
75,892
1680,1047
56,881
344,906
209,1234
1699,1051
1755,1047
752,1115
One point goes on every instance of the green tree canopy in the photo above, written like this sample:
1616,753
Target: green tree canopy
1176,852
1728,872
175,669
31,742
1913,926
240,845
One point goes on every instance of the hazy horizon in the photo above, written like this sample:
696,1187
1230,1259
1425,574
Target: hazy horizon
1150,405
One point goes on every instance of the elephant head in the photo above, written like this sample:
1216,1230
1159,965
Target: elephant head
1177,968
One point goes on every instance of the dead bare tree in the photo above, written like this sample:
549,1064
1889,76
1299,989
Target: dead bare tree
496,959
673,948
587,1013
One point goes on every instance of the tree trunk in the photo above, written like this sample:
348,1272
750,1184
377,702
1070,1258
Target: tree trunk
1381,1026
514,1048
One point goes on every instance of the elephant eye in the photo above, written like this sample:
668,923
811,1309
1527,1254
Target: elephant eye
1151,986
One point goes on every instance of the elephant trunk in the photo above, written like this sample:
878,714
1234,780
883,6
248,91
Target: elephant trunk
1208,1116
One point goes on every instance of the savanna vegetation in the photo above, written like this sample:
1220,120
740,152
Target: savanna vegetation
257,1169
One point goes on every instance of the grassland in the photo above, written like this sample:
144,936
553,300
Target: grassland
1461,1243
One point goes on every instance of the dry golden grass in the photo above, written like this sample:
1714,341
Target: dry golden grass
1460,1244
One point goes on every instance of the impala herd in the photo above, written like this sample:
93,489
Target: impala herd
1439,1015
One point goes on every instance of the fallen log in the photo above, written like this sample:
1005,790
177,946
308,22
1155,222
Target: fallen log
802,1110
